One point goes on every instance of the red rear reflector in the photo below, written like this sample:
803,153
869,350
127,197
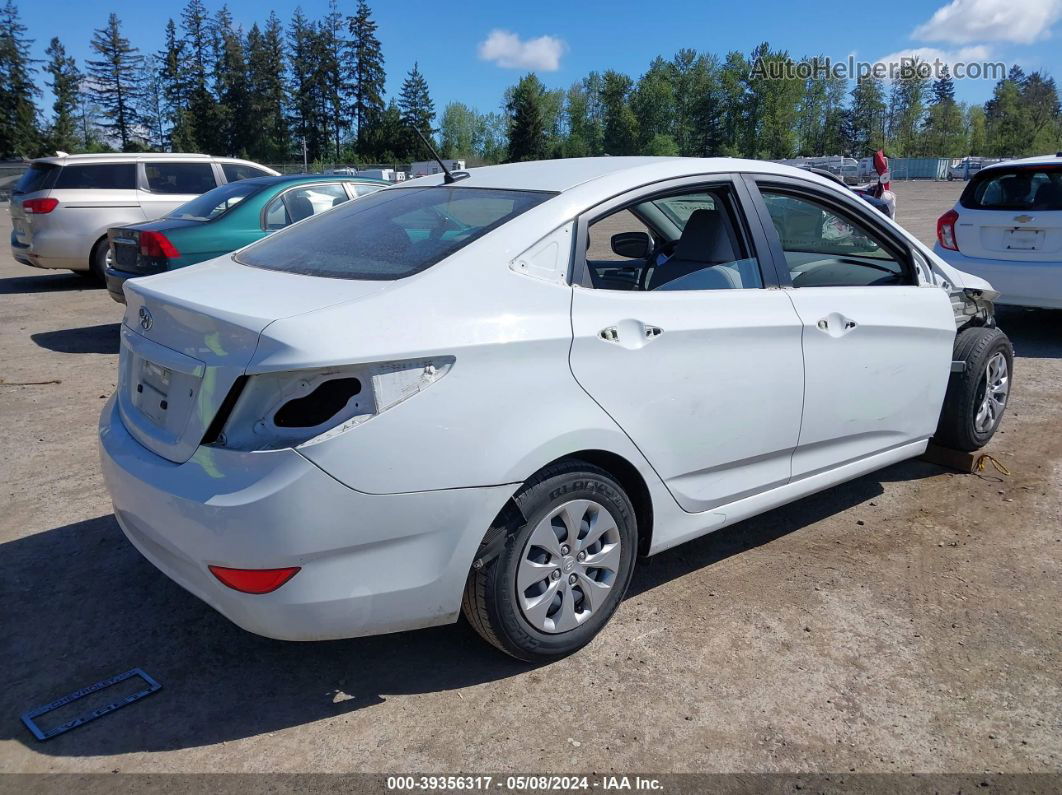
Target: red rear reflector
157,246
39,206
253,580
946,230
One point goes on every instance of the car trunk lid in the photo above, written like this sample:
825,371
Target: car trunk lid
1033,235
189,334
126,250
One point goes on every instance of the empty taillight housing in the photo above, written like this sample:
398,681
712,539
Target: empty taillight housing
39,206
155,245
946,230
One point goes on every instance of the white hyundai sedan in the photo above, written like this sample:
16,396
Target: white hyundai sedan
1007,228
491,393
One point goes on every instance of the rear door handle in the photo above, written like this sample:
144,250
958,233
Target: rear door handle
630,333
836,324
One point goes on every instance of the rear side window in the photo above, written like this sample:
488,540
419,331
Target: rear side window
237,171
390,234
215,203
1020,188
180,177
97,176
39,176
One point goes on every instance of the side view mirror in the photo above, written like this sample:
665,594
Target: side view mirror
632,245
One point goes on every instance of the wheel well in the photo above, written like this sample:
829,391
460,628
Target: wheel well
95,246
632,482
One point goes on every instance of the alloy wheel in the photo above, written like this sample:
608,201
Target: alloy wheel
996,389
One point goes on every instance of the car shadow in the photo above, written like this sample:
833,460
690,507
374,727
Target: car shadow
46,283
104,338
1035,333
82,605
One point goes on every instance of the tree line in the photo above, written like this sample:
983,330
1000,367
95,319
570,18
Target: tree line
320,83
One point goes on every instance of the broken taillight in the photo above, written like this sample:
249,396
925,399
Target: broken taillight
255,581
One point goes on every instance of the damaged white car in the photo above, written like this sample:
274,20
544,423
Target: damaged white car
491,392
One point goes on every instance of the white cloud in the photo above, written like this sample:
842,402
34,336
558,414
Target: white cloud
511,52
932,55
964,21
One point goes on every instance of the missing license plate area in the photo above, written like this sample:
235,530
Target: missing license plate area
1023,239
88,703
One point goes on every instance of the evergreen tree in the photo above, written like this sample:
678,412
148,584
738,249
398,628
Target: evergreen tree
459,132
621,125
907,107
176,91
366,77
153,102
1039,97
269,137
65,85
975,130
527,131
334,48
771,108
114,80
698,104
1006,125
231,86
944,133
867,116
733,110
19,136
309,87
418,111
653,103
205,133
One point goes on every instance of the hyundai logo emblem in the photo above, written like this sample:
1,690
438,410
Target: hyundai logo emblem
145,318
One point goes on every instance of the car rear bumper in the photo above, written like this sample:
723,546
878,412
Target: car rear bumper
116,283
27,255
1036,284
369,563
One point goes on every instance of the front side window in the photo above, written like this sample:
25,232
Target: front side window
691,240
300,203
1019,188
180,177
215,203
97,176
824,248
390,234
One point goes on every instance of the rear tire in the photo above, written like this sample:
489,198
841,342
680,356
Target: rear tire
541,597
977,397
98,260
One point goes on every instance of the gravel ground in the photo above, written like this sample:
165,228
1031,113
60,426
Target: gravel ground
907,621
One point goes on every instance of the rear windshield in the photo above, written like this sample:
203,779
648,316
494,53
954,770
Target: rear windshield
215,203
390,234
98,176
1019,188
40,176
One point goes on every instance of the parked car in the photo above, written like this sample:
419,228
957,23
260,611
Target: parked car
965,168
223,220
62,207
432,400
1007,227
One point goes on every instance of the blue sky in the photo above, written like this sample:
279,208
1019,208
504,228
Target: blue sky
474,49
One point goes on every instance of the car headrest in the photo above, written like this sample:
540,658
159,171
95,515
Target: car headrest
706,238
299,207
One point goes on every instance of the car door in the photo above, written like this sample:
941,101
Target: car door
699,361
295,204
167,184
877,342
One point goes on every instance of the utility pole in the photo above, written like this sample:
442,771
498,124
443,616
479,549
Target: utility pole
305,164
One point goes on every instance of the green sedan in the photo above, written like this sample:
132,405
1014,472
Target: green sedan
222,220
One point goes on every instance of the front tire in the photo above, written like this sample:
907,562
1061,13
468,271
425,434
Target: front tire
563,565
977,397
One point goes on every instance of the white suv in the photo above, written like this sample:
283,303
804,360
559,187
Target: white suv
62,207
1007,228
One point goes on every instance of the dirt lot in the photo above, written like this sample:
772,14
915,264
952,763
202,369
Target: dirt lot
908,621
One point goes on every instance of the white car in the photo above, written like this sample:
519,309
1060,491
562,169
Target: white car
63,206
1007,228
491,394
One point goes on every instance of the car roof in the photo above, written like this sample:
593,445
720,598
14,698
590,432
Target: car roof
1038,160
559,176
294,178
132,157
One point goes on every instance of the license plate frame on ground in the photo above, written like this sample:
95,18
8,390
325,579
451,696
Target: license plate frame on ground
29,717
